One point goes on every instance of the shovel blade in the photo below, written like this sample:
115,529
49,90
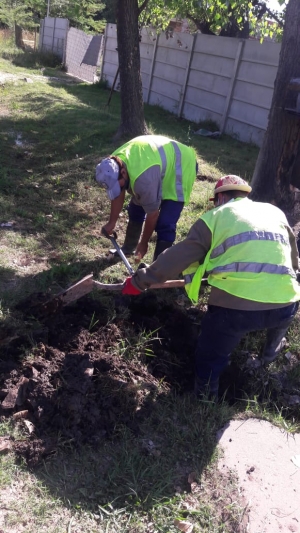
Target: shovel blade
79,289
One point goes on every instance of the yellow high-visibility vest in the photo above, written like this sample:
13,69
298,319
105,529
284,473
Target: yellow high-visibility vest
176,160
250,256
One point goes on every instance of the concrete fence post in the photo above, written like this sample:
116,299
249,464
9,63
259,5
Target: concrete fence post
41,35
151,69
104,39
232,83
65,43
186,77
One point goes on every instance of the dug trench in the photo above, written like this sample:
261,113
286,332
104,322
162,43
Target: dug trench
92,366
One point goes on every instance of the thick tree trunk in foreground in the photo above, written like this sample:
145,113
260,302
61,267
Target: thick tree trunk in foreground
275,166
132,105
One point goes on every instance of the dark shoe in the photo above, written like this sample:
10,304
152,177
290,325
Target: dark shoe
160,247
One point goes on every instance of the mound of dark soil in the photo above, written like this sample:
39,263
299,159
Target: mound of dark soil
89,372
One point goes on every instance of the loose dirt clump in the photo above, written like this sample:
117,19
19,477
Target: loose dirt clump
92,373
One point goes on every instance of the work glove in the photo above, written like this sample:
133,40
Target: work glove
129,288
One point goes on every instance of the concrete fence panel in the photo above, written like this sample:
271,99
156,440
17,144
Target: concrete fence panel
170,71
148,48
209,78
253,91
53,36
83,55
110,61
203,77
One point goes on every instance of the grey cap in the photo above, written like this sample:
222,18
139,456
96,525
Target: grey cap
107,173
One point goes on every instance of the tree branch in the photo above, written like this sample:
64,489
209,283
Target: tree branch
270,13
204,27
143,6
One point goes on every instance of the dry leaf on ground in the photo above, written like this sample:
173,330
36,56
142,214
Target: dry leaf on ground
186,527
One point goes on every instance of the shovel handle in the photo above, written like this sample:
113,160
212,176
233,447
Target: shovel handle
119,250
119,286
107,235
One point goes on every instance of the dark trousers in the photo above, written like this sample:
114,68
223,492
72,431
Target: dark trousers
167,221
222,330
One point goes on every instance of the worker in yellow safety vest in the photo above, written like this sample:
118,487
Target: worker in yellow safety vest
249,254
159,174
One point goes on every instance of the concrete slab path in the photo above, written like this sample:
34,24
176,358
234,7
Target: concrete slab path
266,460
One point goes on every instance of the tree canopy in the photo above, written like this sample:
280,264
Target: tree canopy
236,18
83,14
232,18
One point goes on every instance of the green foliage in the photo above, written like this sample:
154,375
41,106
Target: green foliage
14,12
83,14
238,18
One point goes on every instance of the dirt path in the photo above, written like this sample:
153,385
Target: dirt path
6,77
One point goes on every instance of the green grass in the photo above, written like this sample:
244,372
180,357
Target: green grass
48,192
47,182
135,485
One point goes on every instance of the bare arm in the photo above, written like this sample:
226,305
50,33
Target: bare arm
116,206
149,227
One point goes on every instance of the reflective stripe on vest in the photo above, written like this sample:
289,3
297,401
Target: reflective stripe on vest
247,236
178,167
255,268
250,243
246,267
163,157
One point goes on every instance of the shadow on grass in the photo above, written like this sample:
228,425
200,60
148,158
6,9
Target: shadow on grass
140,469
109,396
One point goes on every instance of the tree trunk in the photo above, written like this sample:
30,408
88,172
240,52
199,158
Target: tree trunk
132,105
273,173
18,36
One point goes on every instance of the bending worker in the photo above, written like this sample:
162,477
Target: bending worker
159,173
249,254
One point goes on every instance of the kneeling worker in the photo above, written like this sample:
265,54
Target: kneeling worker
249,254
159,174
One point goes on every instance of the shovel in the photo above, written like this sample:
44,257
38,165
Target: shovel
85,286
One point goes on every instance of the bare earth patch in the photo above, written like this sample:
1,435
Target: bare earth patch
81,380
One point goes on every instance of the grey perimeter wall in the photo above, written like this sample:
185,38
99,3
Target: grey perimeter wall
203,77
80,53
53,36
83,54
